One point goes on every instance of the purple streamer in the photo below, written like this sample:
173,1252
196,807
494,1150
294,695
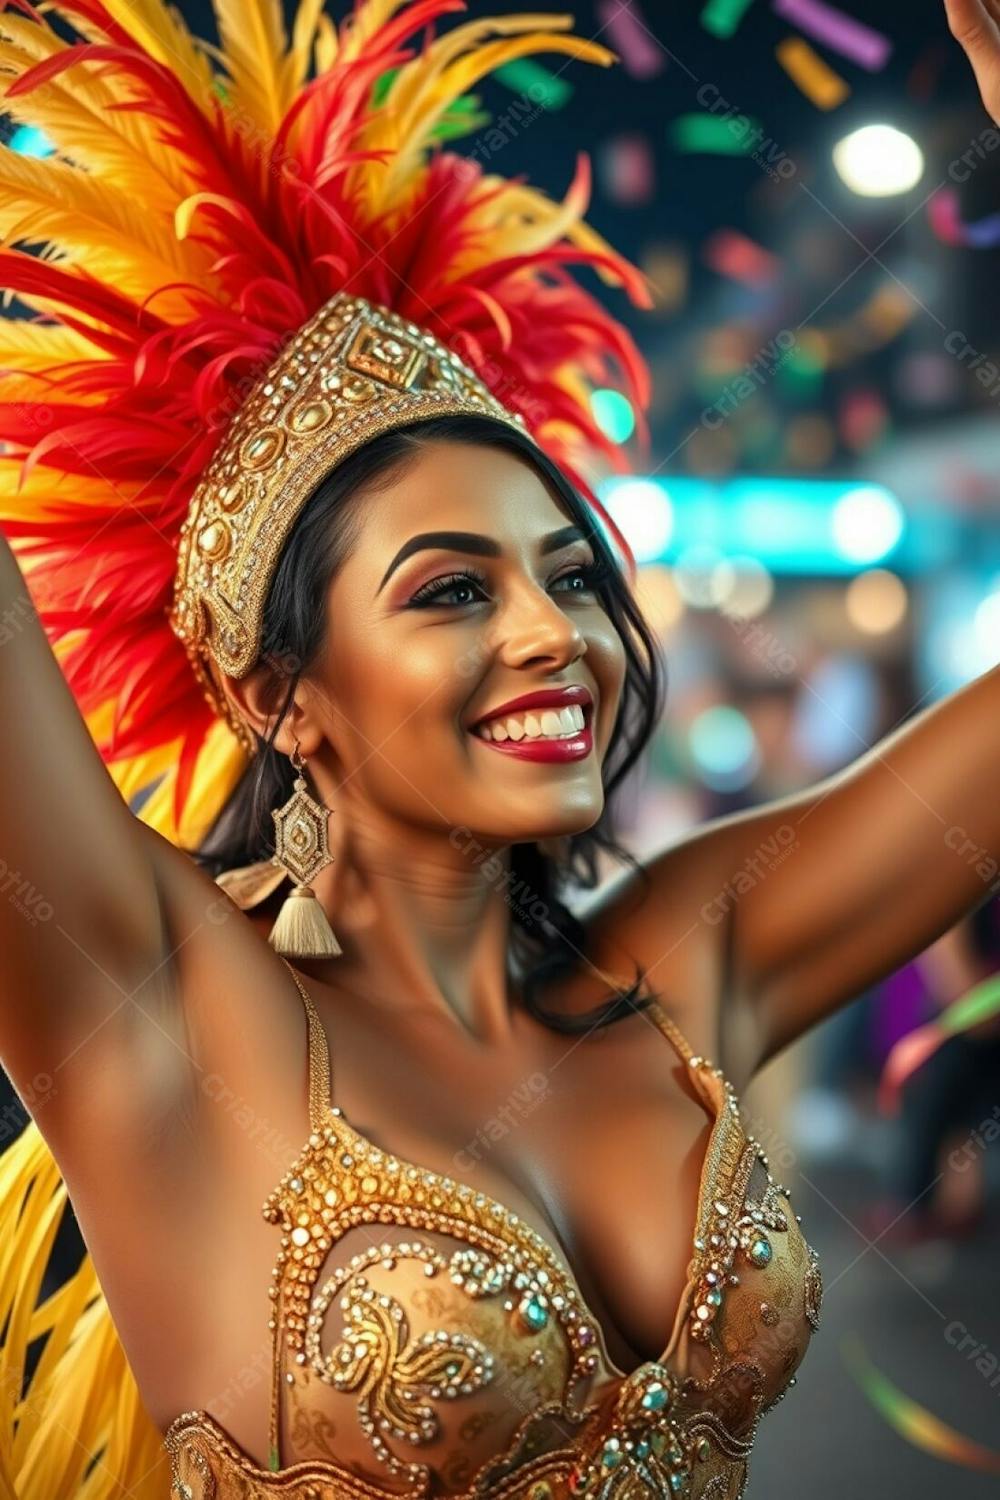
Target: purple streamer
843,34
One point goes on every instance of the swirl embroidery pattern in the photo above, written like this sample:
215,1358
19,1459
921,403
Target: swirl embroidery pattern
376,1358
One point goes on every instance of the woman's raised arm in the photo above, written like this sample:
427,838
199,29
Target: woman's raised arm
837,887
829,890
81,926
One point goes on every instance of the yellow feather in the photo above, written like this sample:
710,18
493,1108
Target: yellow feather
42,489
466,71
219,767
535,221
295,68
327,44
27,346
161,30
95,225
364,23
74,113
425,88
51,309
252,34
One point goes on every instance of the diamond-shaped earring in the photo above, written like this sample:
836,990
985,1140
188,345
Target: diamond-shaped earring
302,849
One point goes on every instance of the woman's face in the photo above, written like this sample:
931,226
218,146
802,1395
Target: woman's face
425,639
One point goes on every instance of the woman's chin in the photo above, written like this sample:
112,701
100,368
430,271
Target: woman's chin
551,829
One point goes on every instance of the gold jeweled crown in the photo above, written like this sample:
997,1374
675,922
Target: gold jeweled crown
353,371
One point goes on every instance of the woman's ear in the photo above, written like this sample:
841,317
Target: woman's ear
259,697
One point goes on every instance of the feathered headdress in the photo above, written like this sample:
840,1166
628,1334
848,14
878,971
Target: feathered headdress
199,206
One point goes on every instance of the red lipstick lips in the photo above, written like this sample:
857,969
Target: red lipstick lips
547,750
557,697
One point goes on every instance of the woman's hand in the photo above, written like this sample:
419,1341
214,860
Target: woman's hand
976,25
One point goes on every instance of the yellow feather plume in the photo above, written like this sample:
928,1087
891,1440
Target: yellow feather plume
296,65
28,346
161,30
366,22
454,63
252,34
97,225
327,43
74,112
221,763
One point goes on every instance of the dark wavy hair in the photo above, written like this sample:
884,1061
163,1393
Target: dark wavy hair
547,941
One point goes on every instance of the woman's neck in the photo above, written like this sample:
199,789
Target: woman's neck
423,924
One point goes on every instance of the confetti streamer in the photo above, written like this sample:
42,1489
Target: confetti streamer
914,1422
666,266
732,254
843,34
641,53
626,170
722,17
979,1004
526,77
946,221
825,88
723,135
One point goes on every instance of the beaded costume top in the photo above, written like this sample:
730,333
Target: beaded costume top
445,1345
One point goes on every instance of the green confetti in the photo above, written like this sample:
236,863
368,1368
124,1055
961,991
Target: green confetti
980,1003
461,117
381,86
735,135
800,374
721,17
523,76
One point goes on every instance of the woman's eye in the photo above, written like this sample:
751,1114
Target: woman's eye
439,588
582,579
587,575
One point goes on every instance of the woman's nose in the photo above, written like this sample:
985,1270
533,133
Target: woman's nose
534,626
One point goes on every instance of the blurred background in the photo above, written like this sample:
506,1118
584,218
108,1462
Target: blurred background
814,193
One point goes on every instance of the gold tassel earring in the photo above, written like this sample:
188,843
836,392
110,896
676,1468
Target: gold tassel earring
302,849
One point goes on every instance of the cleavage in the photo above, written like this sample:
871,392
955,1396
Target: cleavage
613,1189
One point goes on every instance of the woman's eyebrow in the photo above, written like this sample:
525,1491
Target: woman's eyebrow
472,541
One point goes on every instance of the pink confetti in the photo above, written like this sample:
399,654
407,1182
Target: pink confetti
730,253
843,34
628,32
625,163
946,221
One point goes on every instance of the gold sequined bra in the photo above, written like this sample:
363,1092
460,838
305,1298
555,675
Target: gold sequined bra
446,1348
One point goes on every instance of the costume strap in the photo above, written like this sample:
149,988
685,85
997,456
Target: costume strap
320,1075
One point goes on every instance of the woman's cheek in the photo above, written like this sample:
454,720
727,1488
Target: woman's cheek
605,657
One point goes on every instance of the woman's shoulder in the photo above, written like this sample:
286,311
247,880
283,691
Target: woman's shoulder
650,920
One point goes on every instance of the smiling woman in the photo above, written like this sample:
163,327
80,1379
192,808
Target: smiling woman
295,561
335,619
268,369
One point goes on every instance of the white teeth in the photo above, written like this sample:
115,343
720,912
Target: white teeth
548,723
